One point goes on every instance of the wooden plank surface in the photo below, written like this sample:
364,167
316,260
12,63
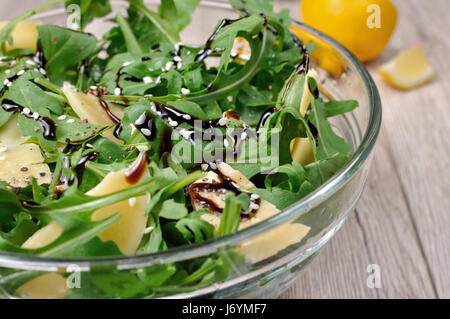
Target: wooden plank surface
402,222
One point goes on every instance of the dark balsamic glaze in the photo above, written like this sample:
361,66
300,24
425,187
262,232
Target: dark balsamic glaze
119,74
263,119
110,114
147,122
81,165
48,125
223,185
135,173
203,54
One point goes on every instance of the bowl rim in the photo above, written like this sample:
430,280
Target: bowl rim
319,195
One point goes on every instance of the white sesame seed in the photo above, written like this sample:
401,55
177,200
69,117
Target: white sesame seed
185,133
187,117
13,63
62,117
179,65
168,65
254,196
126,63
188,53
173,123
90,145
177,59
117,91
185,91
35,115
146,132
26,111
21,72
3,149
147,80
132,201
7,82
30,62
222,121
42,71
70,121
253,206
140,120
158,80
177,46
148,230
213,165
204,167
230,98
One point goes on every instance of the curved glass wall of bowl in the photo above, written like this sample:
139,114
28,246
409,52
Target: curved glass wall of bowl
325,210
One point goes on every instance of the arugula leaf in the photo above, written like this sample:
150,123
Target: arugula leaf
231,216
64,49
335,107
329,142
178,12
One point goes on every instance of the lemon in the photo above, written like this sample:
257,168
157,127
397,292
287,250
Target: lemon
363,26
324,54
24,35
409,69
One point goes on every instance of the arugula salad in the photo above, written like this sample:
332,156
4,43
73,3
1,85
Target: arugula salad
137,143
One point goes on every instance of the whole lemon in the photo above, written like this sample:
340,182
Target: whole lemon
363,26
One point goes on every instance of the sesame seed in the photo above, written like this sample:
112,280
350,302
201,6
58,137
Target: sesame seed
230,98
42,71
7,82
204,167
26,111
187,117
35,115
253,206
148,230
222,121
179,65
21,72
140,120
132,201
30,62
177,59
70,121
158,80
185,91
147,79
146,132
213,165
126,63
173,123
62,117
117,91
254,196
168,65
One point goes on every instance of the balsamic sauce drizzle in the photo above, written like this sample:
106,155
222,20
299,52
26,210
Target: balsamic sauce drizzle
223,185
48,125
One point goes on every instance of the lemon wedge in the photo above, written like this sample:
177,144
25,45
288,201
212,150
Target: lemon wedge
409,69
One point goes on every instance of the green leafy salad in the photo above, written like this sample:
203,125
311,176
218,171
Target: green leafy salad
136,142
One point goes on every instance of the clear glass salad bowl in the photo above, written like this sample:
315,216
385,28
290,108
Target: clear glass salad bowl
324,211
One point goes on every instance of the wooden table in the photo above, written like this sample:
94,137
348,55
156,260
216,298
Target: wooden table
402,222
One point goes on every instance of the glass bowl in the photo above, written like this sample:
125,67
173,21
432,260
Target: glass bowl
325,210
